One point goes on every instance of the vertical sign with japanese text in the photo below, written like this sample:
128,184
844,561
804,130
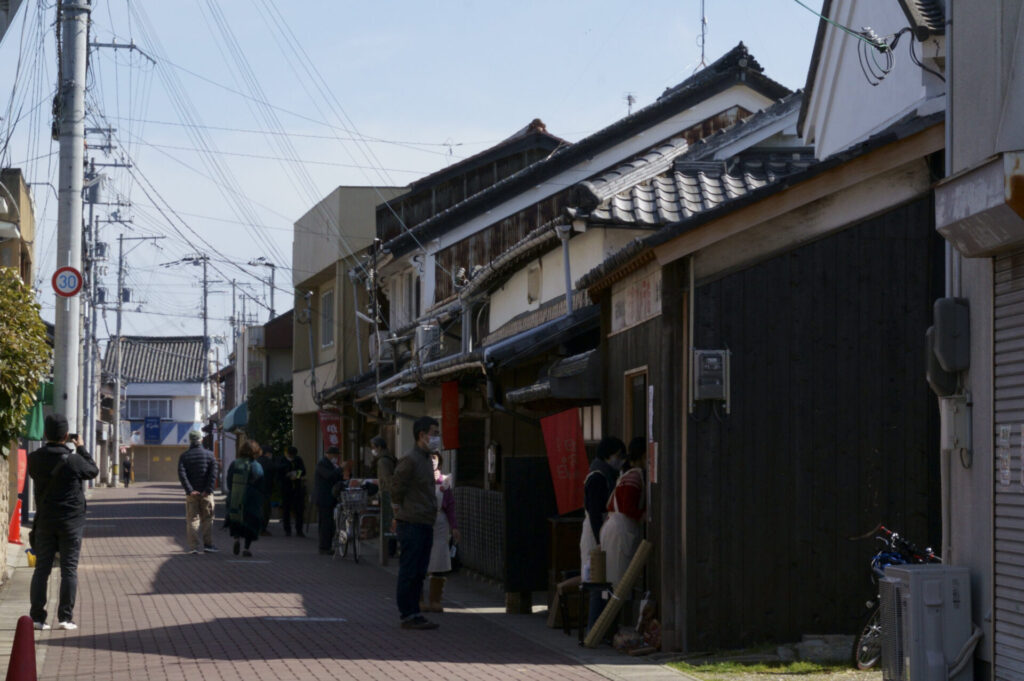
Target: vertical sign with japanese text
567,457
330,428
450,414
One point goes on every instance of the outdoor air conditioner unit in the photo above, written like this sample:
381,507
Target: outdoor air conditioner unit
428,342
387,349
926,623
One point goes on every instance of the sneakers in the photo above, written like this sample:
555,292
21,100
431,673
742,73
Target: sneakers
419,622
41,626
237,546
210,549
194,552
67,626
247,554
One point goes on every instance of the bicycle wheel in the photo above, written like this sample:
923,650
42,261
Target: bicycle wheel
867,647
344,538
355,538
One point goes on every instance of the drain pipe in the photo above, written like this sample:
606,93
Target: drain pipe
353,279
564,232
312,358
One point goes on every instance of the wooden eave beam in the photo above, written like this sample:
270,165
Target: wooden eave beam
831,181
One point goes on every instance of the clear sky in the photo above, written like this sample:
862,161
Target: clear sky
421,83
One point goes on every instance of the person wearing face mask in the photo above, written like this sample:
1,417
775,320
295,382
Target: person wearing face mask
597,487
414,495
622,531
328,473
445,528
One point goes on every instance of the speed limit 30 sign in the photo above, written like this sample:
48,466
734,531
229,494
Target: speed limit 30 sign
67,281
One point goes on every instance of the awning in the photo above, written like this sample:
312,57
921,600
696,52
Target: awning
237,418
515,349
34,420
576,378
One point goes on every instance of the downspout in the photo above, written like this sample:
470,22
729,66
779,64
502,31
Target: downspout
564,232
353,279
312,358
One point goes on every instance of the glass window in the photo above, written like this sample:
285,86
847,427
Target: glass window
327,318
141,407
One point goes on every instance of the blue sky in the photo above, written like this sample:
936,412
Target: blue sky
429,82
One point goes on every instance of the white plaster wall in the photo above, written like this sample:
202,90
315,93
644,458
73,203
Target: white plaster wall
844,108
586,251
187,409
164,390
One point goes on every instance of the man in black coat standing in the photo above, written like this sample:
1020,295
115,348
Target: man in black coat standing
293,491
57,474
328,474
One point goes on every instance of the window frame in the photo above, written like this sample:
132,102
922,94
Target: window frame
135,401
326,320
628,427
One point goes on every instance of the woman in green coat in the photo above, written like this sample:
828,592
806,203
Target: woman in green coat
245,496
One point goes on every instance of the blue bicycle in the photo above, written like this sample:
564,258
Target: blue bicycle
895,550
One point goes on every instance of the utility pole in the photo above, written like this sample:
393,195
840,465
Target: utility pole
70,125
262,261
117,346
203,260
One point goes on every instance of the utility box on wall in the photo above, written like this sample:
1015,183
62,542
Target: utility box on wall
711,376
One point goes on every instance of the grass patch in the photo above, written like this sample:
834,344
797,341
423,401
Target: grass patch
797,667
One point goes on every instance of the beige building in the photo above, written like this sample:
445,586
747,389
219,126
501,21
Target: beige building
17,224
329,344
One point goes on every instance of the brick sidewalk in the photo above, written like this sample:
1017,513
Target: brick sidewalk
150,611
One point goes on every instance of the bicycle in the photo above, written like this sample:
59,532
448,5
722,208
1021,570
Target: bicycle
867,646
346,518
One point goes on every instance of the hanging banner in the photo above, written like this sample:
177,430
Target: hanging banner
450,414
567,457
152,430
330,429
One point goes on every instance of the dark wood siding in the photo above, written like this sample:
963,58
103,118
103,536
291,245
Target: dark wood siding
833,430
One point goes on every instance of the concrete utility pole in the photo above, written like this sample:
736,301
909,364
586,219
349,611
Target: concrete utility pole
204,260
70,121
117,349
262,261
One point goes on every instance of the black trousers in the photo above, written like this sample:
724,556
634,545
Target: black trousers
325,526
293,503
415,540
49,537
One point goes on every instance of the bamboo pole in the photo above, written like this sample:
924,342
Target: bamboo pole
622,589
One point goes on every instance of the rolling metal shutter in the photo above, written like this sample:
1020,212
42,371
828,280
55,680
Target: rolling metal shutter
1009,489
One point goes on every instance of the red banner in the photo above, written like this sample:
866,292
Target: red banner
563,438
450,414
22,469
330,428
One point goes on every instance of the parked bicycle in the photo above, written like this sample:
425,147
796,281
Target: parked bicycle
346,519
895,550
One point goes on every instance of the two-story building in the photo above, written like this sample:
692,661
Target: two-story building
163,398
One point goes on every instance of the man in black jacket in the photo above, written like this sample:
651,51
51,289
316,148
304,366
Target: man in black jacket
293,491
57,475
328,474
197,471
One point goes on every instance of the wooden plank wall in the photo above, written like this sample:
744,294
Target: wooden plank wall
833,429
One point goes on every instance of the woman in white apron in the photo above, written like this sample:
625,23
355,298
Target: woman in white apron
622,531
597,487
444,528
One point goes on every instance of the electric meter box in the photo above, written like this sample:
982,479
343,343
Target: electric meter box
711,375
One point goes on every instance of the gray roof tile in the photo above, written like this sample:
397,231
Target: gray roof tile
157,359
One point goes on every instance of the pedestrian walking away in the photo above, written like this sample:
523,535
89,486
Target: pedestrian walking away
415,497
57,473
197,471
293,492
126,471
245,497
445,529
328,474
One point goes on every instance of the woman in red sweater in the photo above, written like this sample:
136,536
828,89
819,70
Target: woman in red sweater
622,531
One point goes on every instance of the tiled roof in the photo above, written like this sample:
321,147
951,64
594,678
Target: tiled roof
736,66
697,186
157,359
926,17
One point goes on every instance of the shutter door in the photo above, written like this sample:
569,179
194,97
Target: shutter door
1009,499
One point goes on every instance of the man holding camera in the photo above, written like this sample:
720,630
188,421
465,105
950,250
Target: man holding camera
58,469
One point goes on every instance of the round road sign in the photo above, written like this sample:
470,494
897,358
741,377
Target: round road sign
67,281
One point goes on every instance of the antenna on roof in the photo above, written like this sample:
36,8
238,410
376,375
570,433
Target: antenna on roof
702,40
630,101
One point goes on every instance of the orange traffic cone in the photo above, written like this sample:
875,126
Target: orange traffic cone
22,666
14,529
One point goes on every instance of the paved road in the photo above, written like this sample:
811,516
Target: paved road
150,611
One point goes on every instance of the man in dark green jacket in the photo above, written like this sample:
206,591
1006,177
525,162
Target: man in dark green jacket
57,473
415,500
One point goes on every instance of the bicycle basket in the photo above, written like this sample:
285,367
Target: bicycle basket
354,499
